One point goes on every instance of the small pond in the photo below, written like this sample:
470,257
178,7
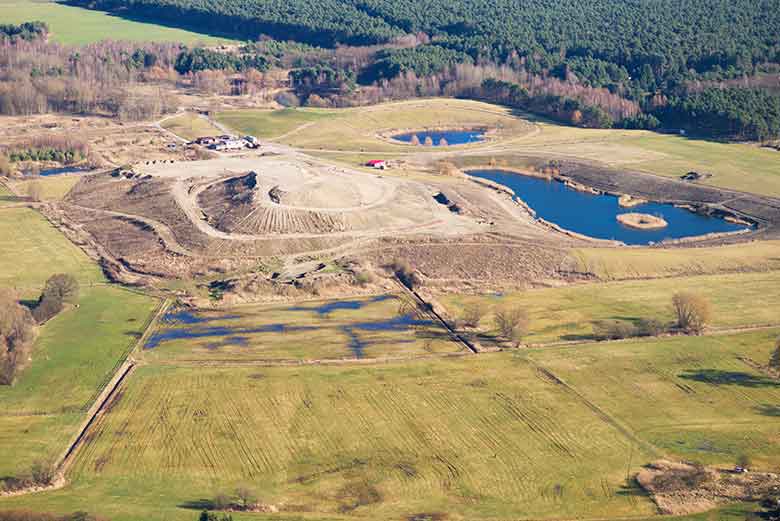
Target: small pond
450,137
595,215
63,170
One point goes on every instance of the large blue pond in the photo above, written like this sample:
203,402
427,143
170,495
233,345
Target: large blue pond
595,215
451,137
63,170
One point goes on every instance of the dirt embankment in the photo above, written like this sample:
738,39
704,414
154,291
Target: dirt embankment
682,488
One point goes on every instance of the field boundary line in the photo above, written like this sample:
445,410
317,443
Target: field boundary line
602,414
122,370
428,308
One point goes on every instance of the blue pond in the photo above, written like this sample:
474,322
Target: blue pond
594,215
452,137
62,170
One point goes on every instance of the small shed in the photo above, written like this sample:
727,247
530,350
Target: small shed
379,164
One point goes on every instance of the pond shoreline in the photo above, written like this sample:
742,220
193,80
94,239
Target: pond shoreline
698,208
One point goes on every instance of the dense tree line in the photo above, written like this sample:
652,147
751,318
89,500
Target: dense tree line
27,31
657,43
200,59
424,60
648,52
742,113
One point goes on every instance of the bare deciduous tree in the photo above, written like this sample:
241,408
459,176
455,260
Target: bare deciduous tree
473,313
35,191
692,311
512,323
246,497
774,359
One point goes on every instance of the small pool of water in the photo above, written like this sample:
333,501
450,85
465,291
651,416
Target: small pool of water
450,137
63,170
595,215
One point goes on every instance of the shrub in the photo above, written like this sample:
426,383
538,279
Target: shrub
614,329
650,327
692,311
744,461
473,313
5,166
287,99
405,273
774,359
675,480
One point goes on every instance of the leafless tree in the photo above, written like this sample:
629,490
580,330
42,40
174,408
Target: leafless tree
693,312
512,323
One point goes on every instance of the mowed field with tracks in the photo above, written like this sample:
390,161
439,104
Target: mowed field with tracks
544,433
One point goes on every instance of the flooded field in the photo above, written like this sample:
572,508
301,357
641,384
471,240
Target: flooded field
371,327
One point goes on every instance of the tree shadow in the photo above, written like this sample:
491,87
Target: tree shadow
768,410
197,504
719,377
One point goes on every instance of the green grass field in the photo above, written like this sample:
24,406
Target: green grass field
542,433
481,438
692,397
53,188
568,312
270,124
357,129
190,126
69,366
33,250
362,328
636,263
78,26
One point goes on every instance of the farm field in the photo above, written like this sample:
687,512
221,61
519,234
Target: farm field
72,25
190,126
483,438
692,397
569,312
67,370
371,327
33,250
637,263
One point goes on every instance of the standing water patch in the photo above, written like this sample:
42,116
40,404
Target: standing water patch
442,138
48,172
596,215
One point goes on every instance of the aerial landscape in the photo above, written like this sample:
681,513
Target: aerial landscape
347,260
